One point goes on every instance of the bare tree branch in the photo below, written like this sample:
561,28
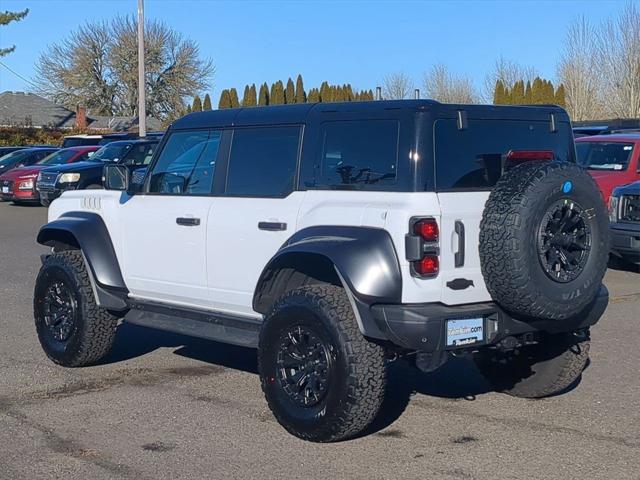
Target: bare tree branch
442,85
97,66
397,86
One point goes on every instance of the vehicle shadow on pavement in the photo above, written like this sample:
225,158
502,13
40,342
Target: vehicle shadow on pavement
457,379
134,341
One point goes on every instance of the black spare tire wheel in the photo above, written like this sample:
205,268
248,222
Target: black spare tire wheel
544,240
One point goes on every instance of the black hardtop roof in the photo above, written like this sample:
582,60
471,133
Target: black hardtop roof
295,114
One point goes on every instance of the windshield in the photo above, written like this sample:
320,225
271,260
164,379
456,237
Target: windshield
612,156
111,153
13,158
57,158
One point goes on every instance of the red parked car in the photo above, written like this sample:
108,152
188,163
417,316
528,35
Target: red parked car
19,184
612,160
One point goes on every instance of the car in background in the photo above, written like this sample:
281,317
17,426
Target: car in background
52,182
18,185
81,140
24,157
603,127
612,160
113,137
9,149
624,215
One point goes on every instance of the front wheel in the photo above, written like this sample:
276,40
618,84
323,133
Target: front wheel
322,379
547,368
73,330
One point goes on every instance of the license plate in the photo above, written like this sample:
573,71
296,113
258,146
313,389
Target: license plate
5,189
465,332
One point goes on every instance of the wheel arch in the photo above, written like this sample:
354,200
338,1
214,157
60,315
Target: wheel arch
362,260
87,232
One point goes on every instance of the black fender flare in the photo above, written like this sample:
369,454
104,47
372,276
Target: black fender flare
364,259
87,232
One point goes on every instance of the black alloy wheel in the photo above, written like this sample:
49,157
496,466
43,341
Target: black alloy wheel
59,310
304,365
564,240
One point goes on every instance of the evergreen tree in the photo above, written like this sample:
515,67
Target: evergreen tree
499,93
225,99
325,92
508,93
549,94
264,95
188,108
197,104
517,93
301,97
560,96
537,91
314,96
233,93
206,105
277,93
253,100
528,99
245,96
290,92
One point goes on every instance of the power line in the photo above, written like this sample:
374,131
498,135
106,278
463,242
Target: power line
18,75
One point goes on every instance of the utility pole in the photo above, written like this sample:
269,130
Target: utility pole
142,109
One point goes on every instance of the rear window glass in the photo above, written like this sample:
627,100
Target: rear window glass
475,157
358,155
613,156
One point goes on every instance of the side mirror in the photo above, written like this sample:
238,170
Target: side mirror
116,177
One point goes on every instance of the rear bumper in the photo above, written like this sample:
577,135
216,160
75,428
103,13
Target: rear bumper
422,327
625,241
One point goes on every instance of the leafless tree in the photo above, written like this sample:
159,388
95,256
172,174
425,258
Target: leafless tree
442,85
617,50
97,66
397,86
578,70
508,72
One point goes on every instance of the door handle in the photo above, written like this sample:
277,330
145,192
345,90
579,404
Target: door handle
188,221
459,256
272,226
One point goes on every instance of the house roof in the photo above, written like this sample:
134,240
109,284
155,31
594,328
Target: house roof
28,109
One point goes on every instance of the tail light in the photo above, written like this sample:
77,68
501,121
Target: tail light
427,229
428,266
422,247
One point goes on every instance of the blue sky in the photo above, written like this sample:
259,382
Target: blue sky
355,42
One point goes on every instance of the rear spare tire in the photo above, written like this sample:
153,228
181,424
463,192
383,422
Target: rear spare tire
544,240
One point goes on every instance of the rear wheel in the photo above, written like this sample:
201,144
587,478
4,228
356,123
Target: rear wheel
536,371
322,379
73,330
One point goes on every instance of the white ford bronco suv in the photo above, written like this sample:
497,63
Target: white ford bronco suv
335,237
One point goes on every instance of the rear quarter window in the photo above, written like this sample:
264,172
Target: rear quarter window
474,158
357,155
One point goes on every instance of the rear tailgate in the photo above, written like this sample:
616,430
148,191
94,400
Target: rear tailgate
467,164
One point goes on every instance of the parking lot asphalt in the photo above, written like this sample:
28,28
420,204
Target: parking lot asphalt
168,406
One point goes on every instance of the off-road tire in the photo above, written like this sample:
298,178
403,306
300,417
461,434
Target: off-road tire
510,232
94,329
547,368
358,375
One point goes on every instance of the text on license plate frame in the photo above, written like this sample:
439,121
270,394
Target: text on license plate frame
463,332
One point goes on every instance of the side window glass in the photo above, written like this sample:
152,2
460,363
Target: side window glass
186,164
359,155
263,161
